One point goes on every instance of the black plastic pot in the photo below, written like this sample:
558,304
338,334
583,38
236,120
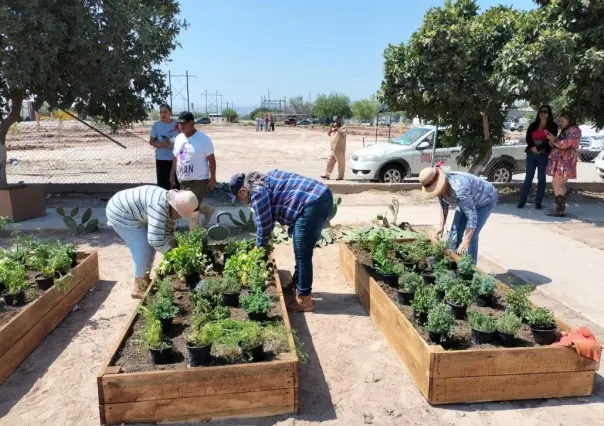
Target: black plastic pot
390,280
464,276
429,277
459,312
44,283
506,339
2,287
192,280
257,316
483,301
166,324
435,337
199,355
452,265
544,336
17,299
420,317
230,299
405,297
482,337
254,354
163,356
410,266
440,294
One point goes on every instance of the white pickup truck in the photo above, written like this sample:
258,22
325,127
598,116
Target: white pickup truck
405,156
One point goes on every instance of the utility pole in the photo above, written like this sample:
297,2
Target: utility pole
170,83
180,91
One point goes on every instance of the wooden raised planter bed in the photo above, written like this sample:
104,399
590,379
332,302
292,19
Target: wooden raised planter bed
471,375
201,393
24,332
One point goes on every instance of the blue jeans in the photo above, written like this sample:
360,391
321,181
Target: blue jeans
140,249
534,162
459,227
307,231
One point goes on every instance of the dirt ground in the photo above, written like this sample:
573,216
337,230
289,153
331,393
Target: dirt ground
352,377
69,152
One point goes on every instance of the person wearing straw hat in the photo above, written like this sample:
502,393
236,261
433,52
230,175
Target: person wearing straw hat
303,204
473,198
145,218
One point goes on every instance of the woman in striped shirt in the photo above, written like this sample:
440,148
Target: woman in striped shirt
145,218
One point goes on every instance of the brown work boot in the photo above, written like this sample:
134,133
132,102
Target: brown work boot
560,209
300,304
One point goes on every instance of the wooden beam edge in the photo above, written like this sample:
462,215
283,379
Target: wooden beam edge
285,315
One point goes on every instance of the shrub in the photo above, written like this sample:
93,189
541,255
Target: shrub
442,266
388,267
508,323
445,280
483,285
481,322
230,285
466,265
518,302
12,275
425,299
440,320
459,294
151,332
438,250
163,307
239,265
257,276
409,281
211,290
541,318
257,303
204,336
187,260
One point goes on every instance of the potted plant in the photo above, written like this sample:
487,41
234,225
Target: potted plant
437,253
251,342
459,297
257,305
256,277
444,281
507,326
483,327
465,268
484,287
440,323
543,325
187,262
164,309
160,350
12,275
199,346
210,289
45,278
518,302
414,256
424,300
408,283
389,271
428,276
230,290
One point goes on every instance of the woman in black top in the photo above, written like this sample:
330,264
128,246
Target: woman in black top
537,152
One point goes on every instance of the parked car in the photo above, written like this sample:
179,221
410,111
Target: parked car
592,143
409,153
600,164
204,120
305,122
291,121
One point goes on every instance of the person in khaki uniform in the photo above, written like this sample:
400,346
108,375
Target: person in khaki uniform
337,133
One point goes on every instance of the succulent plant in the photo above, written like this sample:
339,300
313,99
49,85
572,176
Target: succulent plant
86,225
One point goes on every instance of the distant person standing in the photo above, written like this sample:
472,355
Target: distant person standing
162,137
258,125
266,123
261,120
272,121
337,133
194,164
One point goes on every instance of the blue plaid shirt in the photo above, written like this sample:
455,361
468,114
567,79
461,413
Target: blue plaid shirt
282,199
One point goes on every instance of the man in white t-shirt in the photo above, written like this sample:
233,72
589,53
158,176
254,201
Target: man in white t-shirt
194,164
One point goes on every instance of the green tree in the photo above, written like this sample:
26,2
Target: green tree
298,105
101,58
557,57
365,109
326,106
230,114
444,75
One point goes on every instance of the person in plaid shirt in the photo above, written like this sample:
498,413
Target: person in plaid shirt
300,203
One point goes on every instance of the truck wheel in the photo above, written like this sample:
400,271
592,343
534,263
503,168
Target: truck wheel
392,173
501,173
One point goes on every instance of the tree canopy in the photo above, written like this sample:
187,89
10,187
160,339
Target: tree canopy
365,109
97,57
326,106
230,114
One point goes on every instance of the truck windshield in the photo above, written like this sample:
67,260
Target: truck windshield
410,136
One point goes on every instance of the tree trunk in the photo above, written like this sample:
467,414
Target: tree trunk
481,162
9,120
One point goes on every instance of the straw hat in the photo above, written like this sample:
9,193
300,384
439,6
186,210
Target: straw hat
433,181
184,202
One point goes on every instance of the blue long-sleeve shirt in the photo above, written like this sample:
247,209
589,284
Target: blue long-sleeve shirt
468,192
282,199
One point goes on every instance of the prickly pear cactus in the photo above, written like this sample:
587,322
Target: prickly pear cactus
334,210
86,225
247,223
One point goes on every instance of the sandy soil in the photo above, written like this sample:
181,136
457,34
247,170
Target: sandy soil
69,152
352,377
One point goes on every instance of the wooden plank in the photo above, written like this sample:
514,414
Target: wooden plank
31,314
30,341
502,361
511,387
160,385
285,315
202,408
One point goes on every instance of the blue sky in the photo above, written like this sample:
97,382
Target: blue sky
290,47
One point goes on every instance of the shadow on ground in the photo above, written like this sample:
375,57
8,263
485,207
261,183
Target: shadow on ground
20,382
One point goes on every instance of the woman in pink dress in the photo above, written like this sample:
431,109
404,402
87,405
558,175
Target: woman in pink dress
563,160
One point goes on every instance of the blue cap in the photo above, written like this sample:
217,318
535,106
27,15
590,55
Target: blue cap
236,183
